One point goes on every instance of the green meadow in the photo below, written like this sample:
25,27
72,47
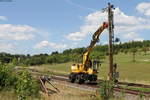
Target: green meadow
138,71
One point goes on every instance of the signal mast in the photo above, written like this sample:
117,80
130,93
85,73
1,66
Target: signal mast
109,9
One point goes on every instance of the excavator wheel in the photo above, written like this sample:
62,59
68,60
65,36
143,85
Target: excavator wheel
72,77
80,79
72,80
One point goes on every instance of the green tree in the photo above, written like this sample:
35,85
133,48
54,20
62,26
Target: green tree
145,49
134,51
15,61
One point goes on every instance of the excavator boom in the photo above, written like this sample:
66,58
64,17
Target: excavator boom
95,39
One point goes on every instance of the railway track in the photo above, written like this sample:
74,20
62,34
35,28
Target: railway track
64,78
130,84
117,89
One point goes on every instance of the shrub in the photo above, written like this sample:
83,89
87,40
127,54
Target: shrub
106,90
7,78
23,83
26,86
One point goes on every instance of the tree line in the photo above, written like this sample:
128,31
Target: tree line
73,55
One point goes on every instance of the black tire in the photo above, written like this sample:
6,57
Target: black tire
81,81
72,80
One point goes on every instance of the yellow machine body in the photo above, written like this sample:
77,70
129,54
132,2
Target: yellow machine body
78,68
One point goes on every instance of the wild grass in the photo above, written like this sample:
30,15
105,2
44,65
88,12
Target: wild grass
68,93
11,95
8,95
138,71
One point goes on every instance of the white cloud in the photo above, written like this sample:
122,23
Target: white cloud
132,36
121,18
76,36
4,46
123,24
9,47
16,32
144,8
17,36
92,22
50,44
3,18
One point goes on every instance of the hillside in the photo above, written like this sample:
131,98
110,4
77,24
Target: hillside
74,55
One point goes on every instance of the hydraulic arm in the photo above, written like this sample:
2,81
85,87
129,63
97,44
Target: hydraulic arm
94,40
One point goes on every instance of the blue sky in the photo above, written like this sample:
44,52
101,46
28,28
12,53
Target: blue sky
43,26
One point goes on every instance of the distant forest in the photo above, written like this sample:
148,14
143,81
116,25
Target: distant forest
73,55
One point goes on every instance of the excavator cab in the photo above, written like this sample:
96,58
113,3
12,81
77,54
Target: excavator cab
95,65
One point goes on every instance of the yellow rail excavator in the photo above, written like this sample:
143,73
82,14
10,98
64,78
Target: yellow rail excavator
87,70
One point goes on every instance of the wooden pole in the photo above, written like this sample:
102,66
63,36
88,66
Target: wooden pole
110,27
43,85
